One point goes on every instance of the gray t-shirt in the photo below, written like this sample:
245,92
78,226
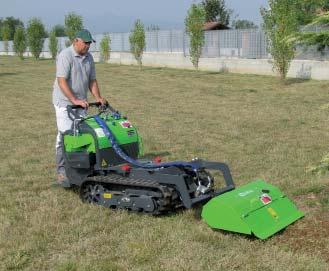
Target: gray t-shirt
77,70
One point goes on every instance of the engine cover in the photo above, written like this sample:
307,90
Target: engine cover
89,143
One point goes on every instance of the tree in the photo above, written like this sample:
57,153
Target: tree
73,24
5,33
137,42
280,22
105,48
11,23
244,24
308,9
53,43
216,11
59,30
319,39
194,23
35,36
20,42
0,28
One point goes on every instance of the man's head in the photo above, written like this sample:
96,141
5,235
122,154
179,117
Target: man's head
82,41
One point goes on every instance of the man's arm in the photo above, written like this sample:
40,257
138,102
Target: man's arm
64,86
93,87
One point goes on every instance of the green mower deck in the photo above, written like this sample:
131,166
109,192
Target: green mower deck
256,208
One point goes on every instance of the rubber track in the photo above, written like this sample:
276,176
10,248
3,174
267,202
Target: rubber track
164,203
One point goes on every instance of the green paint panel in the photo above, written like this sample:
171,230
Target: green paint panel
79,143
256,208
124,134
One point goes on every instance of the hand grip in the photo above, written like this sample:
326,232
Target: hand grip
73,106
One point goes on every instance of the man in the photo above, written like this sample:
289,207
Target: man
75,74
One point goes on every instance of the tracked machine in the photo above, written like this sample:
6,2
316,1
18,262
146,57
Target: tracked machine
102,157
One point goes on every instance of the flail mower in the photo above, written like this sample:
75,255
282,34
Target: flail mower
101,154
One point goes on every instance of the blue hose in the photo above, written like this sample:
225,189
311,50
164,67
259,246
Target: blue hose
134,162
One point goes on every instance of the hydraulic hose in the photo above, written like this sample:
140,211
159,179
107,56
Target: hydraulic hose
107,131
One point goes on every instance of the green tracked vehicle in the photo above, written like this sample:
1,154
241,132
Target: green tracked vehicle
102,157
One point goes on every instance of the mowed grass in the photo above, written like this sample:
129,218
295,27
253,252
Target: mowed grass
260,127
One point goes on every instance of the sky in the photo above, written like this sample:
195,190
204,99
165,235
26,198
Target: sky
101,16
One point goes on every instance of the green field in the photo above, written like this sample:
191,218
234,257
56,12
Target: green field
259,126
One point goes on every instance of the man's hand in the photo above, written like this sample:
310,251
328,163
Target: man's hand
82,103
101,100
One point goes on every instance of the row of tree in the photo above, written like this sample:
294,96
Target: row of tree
33,37
216,10
282,22
34,34
8,27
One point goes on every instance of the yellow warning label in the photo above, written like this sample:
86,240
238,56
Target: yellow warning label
104,164
272,212
107,195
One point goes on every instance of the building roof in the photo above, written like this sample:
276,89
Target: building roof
214,26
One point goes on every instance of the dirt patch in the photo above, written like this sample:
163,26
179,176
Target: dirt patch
310,234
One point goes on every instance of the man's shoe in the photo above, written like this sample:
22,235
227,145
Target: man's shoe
63,181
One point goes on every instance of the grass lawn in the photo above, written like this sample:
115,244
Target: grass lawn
260,127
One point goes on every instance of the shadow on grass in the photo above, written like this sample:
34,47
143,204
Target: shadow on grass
292,81
199,74
8,73
193,71
151,155
197,211
43,59
248,90
172,213
233,234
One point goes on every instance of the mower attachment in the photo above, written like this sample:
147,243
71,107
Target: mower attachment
101,157
256,208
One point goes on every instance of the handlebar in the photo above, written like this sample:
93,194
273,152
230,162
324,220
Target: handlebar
102,108
106,106
97,104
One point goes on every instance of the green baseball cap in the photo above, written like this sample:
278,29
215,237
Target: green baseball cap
85,35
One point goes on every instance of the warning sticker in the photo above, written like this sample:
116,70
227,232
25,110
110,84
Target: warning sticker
125,124
265,199
99,132
104,164
272,212
107,195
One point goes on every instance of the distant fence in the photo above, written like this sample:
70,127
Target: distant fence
249,43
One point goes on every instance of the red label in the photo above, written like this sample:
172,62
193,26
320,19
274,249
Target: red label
125,124
266,199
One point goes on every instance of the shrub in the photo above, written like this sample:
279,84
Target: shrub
73,24
105,48
194,24
5,33
137,42
280,22
35,36
53,44
20,42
